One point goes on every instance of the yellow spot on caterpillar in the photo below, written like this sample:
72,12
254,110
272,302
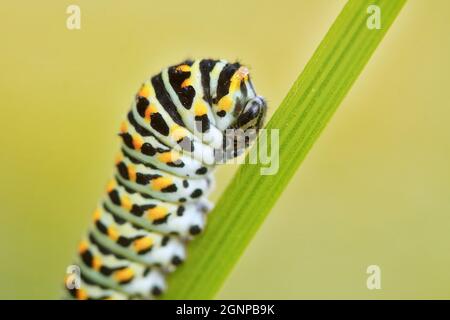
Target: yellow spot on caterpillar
97,214
126,203
83,246
160,183
112,233
137,142
157,213
132,173
123,127
186,83
110,186
81,294
145,90
225,103
96,263
234,85
151,109
183,68
118,158
241,74
177,132
124,274
142,244
200,108
169,156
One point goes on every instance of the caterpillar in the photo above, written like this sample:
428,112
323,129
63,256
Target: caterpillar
180,125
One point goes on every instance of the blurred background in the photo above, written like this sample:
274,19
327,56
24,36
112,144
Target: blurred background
375,189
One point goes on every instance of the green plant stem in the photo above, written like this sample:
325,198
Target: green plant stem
300,119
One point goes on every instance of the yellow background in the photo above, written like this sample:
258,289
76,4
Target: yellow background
374,190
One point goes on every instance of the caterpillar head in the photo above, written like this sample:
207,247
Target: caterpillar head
252,115
247,117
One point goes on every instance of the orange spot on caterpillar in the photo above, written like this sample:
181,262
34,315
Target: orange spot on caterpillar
137,142
178,132
144,91
225,103
132,173
123,275
118,159
169,156
97,214
200,108
83,246
151,109
112,233
81,294
183,68
186,83
160,183
142,244
157,213
126,203
110,186
96,263
239,75
123,127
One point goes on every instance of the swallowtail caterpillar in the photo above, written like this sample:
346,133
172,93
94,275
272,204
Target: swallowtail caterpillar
179,127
